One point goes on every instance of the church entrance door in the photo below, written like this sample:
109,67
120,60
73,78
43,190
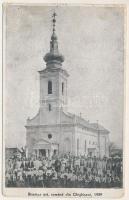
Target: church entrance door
91,152
42,152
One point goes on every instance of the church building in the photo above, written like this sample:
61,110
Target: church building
55,131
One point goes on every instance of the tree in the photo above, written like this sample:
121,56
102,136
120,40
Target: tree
112,146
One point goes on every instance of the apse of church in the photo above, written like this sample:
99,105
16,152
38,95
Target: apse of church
54,130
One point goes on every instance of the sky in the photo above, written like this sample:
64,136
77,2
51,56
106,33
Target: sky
92,42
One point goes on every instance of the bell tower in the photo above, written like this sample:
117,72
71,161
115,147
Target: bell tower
53,79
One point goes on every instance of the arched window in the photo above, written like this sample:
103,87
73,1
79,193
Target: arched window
49,107
49,87
62,88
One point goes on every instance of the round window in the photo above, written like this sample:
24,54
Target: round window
49,136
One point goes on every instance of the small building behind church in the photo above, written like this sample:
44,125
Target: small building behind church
54,130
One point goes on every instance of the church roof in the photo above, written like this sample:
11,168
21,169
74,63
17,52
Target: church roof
98,126
81,121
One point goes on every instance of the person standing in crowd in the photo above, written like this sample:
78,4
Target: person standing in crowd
57,165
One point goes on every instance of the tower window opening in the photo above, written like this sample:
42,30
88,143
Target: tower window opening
62,88
49,87
49,107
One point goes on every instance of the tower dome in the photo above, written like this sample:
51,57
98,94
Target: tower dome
54,58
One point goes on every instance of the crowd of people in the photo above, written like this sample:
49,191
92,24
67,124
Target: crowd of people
64,171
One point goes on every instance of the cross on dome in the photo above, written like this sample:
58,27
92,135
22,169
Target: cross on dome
54,20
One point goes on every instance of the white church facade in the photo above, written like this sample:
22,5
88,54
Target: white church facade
54,130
